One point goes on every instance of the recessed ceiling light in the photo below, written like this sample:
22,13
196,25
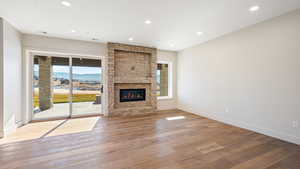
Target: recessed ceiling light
130,39
148,22
66,3
199,33
172,45
73,31
254,8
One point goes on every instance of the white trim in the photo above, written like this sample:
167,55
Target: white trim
164,97
10,126
10,129
61,54
170,80
70,86
252,127
1,134
1,78
28,75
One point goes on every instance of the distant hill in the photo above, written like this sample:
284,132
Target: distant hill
80,77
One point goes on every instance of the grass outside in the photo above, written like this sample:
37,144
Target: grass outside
64,98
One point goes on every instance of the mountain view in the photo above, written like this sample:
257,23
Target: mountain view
96,77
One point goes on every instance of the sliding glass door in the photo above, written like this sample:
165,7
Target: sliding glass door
51,87
64,87
86,86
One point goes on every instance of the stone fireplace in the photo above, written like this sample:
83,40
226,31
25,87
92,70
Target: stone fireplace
131,80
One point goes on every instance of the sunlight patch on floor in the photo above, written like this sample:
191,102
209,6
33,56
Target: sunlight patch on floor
75,126
51,128
175,118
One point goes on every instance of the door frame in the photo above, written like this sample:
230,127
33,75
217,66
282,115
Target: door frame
71,86
27,116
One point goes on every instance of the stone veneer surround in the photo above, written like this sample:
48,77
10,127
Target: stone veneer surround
130,67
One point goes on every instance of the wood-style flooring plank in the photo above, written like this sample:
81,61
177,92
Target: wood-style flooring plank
144,142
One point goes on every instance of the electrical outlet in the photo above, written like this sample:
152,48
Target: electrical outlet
295,124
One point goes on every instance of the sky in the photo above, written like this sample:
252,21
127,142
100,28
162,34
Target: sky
76,69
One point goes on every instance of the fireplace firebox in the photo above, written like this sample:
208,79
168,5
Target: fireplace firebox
132,95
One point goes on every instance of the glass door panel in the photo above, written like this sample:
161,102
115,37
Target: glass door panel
51,87
86,86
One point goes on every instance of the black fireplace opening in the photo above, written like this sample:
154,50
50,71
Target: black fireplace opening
132,95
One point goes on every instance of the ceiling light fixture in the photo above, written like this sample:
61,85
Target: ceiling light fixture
199,33
172,45
130,39
148,22
66,3
73,31
254,8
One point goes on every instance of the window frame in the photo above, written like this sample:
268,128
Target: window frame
170,81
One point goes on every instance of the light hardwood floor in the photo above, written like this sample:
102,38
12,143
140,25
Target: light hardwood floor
149,142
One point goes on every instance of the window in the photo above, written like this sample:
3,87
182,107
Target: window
163,80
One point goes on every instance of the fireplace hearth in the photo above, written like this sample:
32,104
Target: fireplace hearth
132,95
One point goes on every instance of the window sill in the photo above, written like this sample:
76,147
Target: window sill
164,98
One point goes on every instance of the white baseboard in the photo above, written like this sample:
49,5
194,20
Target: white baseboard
10,127
258,129
166,104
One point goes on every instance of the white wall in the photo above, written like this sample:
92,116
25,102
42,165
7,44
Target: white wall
48,44
1,79
249,78
12,77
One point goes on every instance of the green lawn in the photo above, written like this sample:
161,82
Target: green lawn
64,98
